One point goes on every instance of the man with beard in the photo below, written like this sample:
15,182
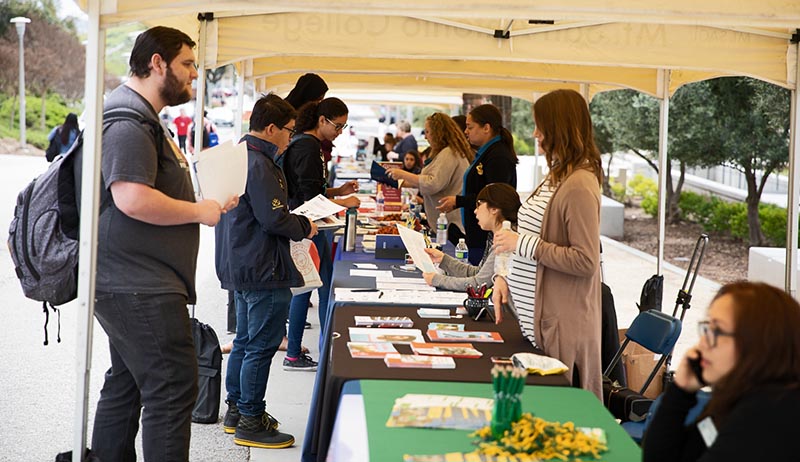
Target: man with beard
146,260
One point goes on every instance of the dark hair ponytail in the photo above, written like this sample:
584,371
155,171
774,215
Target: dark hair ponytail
489,114
308,115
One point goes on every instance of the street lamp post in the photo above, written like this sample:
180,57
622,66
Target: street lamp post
20,22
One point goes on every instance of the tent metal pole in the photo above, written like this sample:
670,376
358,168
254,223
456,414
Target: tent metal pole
794,174
246,71
663,163
536,178
200,95
90,200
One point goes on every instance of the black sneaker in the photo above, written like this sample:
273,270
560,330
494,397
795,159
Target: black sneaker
232,419
308,325
255,432
303,363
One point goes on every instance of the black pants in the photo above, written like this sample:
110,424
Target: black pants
153,366
182,142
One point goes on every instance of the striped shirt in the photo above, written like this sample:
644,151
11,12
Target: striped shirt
522,274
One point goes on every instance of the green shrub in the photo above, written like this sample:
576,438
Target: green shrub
694,207
618,191
521,147
56,111
773,223
647,190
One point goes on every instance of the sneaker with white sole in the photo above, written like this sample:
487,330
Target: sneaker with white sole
303,363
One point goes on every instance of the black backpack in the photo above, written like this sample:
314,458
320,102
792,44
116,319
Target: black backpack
54,148
209,373
44,233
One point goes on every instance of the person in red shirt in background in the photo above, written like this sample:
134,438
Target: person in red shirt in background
182,123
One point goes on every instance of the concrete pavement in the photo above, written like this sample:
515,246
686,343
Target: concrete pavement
37,389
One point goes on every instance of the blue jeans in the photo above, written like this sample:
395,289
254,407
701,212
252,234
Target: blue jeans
260,327
298,311
153,366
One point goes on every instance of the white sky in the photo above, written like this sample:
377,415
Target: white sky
69,8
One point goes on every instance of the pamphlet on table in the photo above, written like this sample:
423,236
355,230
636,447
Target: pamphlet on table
370,350
441,411
384,321
419,361
464,336
455,350
404,336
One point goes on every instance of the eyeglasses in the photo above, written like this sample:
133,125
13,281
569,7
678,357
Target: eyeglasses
335,125
705,330
479,202
291,130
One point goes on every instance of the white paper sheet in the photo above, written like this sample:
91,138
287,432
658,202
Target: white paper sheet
437,298
370,273
222,171
318,207
366,266
415,245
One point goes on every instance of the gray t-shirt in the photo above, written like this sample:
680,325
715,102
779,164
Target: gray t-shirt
133,256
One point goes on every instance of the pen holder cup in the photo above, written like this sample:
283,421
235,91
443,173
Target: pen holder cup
475,305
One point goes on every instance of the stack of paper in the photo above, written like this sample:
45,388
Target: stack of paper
419,361
365,334
370,350
455,350
464,336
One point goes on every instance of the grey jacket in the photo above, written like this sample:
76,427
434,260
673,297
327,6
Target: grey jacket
459,275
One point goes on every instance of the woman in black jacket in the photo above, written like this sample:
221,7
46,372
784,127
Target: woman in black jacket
495,162
306,177
749,353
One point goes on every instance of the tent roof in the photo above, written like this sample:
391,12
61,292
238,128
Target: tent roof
450,46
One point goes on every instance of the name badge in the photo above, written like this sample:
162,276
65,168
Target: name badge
707,430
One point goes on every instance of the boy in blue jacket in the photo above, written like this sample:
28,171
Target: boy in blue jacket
253,259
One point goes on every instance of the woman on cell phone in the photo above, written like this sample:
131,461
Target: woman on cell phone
749,353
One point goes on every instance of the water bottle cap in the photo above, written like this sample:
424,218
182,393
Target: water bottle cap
460,240
506,224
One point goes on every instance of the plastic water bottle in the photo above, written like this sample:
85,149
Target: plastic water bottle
441,229
503,259
379,201
462,251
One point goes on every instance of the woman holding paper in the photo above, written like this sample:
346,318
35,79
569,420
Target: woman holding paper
443,171
306,177
554,280
495,203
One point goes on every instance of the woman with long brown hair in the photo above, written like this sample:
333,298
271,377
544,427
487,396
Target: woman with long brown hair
442,173
554,280
749,353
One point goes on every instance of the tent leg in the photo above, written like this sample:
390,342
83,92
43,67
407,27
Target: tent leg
663,163
90,199
794,175
246,71
201,87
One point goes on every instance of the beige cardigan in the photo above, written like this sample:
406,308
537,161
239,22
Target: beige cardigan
442,177
568,297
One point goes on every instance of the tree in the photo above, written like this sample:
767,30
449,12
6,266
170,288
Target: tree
749,127
522,125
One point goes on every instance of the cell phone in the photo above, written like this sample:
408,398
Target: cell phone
697,369
501,360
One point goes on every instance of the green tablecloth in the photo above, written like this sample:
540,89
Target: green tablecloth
551,403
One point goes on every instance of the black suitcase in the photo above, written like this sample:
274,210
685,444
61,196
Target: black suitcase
624,403
209,373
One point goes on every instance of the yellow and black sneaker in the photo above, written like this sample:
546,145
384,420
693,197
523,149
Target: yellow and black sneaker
232,419
257,432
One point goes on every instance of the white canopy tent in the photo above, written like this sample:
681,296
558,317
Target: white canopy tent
451,47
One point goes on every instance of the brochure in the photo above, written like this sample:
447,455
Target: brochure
384,321
444,326
370,350
366,334
419,361
441,411
539,364
434,313
455,350
464,336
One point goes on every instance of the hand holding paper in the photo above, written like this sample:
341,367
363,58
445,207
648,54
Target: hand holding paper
222,172
415,244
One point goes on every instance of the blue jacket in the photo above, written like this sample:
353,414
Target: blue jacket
252,240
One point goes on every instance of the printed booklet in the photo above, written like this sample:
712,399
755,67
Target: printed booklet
367,334
384,321
464,336
456,350
419,361
370,350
